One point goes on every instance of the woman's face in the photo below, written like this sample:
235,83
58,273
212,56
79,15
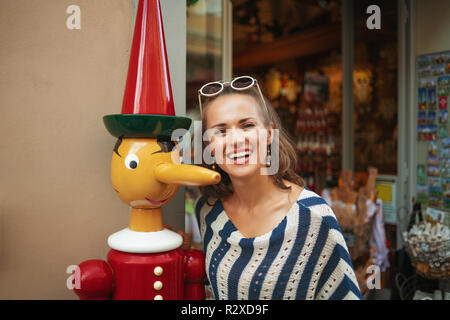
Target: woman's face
236,131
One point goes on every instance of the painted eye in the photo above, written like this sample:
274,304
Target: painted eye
131,161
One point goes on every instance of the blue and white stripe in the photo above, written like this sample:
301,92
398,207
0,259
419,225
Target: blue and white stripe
304,257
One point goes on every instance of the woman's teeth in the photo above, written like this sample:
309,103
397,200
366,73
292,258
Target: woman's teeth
239,155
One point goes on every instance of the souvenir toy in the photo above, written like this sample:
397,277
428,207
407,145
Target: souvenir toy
145,260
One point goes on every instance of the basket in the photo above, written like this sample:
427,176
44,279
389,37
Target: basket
431,259
355,225
357,238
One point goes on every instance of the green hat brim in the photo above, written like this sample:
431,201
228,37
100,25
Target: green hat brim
144,125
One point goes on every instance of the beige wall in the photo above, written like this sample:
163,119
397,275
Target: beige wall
57,206
433,26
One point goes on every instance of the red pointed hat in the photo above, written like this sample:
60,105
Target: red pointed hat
148,109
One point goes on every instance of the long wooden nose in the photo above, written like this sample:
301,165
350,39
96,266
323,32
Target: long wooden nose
186,175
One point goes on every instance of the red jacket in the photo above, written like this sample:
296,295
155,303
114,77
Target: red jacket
170,275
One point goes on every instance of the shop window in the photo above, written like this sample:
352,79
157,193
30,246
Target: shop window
375,89
294,49
204,49
203,64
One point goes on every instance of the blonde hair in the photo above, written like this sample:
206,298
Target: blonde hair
287,153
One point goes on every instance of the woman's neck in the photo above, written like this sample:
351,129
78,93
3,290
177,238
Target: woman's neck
252,191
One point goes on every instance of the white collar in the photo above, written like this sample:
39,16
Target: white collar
127,240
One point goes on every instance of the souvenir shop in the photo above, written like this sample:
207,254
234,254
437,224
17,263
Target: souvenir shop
343,89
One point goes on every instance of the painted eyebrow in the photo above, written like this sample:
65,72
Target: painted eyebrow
165,145
240,121
117,145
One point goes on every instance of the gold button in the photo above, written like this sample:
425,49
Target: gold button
158,271
158,297
157,285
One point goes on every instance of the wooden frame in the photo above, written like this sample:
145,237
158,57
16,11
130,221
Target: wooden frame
309,42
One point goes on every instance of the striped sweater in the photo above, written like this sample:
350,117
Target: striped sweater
304,257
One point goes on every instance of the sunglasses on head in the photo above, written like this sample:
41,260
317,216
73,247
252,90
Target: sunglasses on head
213,89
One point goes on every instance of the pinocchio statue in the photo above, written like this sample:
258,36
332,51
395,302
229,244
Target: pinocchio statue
146,260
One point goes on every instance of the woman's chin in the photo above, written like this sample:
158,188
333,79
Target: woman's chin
241,171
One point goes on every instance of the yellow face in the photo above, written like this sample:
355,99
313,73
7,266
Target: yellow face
133,172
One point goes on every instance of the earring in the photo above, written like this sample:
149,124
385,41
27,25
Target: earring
214,165
268,157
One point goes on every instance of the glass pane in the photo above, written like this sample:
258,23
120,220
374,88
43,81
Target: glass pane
375,89
203,65
204,49
293,48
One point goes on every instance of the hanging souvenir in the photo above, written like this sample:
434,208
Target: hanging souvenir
362,88
333,71
443,103
422,98
431,98
273,84
316,88
290,90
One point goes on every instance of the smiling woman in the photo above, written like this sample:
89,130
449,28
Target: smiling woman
265,236
232,105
